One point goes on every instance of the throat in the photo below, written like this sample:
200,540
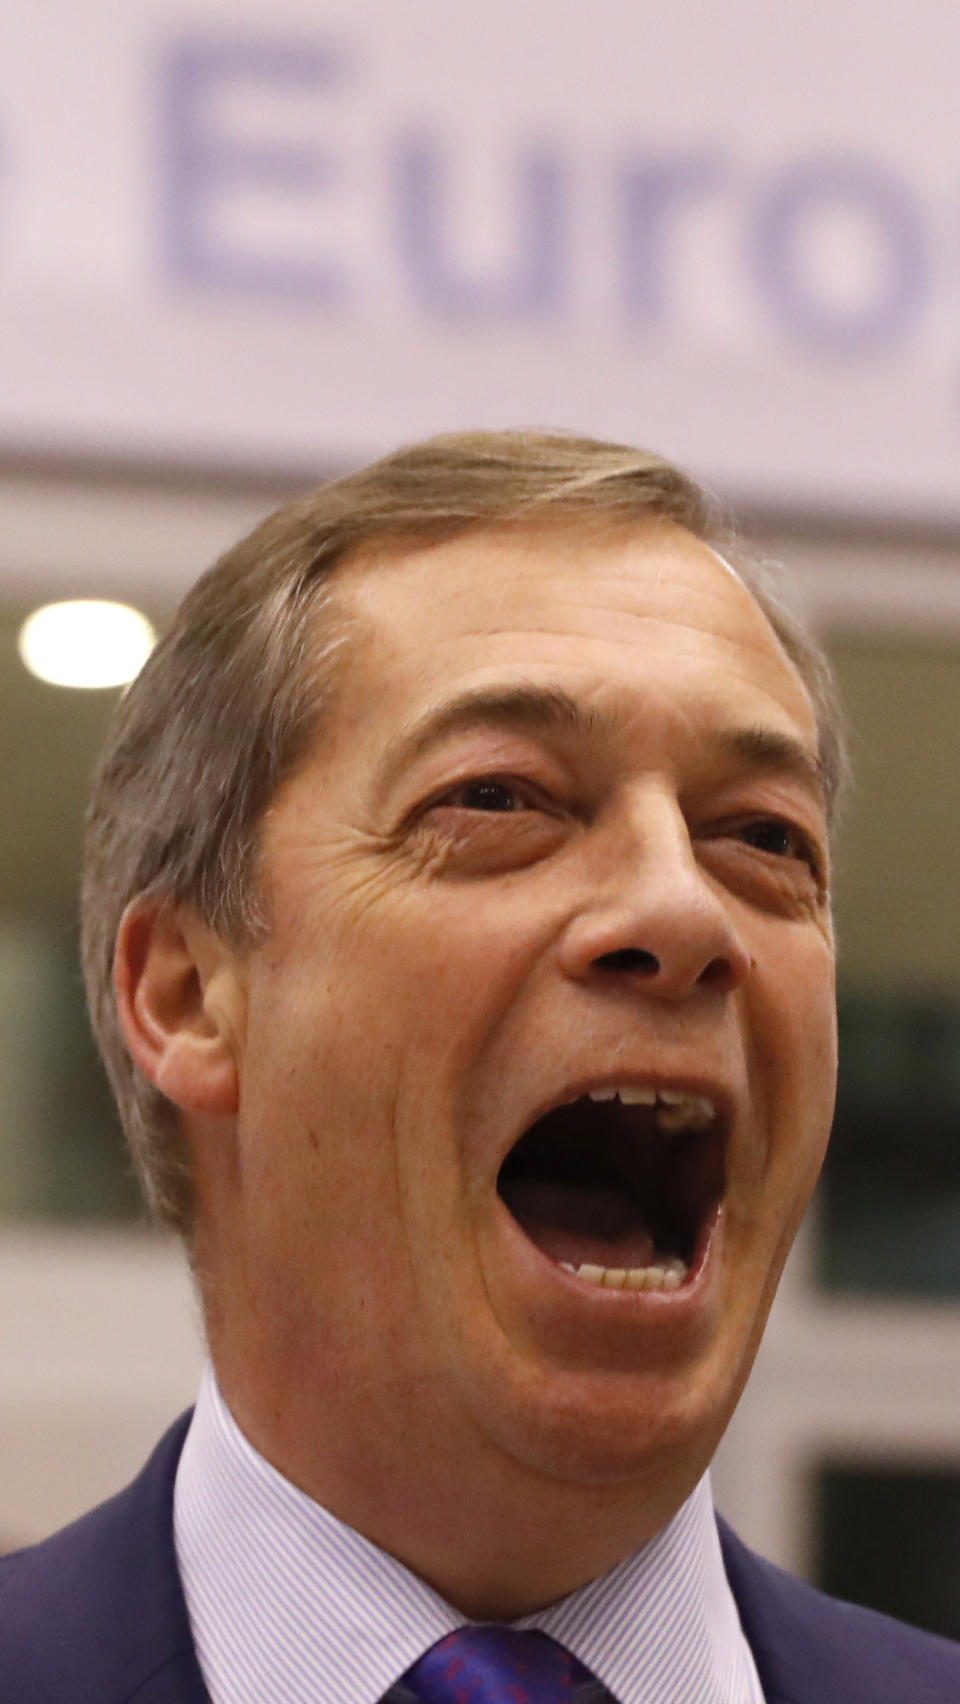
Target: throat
596,1221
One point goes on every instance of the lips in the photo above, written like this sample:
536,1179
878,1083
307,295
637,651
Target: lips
621,1184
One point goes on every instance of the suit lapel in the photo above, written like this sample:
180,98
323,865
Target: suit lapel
812,1649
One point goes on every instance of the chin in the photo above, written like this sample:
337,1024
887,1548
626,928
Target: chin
611,1429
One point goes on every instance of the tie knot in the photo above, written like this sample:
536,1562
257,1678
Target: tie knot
495,1665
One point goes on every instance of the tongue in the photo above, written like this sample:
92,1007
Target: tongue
580,1222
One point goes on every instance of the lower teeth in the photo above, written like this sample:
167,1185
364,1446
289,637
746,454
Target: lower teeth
668,1276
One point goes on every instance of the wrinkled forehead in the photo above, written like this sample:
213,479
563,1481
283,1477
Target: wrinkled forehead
625,598
523,572
480,562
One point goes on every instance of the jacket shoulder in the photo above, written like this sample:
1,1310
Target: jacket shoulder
95,1614
814,1649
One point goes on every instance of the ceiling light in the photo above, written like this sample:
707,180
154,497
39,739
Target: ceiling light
86,642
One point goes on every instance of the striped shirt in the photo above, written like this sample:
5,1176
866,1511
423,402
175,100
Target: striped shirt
288,1603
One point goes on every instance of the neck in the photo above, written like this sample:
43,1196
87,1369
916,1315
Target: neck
444,1514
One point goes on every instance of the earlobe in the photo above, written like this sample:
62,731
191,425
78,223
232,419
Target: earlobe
181,1006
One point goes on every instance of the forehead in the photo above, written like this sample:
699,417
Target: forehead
648,610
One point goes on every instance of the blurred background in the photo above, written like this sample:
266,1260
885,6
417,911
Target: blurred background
239,254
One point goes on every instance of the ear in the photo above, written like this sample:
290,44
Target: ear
181,1002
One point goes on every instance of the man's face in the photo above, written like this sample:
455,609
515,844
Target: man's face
561,836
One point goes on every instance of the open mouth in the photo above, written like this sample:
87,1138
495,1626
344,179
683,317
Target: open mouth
620,1186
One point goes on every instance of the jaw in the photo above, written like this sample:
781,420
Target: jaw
594,1382
573,1410
597,1387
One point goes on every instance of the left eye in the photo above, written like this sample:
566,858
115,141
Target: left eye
779,838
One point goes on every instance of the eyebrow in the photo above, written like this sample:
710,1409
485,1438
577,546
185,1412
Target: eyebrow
551,711
767,749
536,709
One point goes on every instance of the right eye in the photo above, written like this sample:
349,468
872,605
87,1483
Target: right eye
486,795
491,825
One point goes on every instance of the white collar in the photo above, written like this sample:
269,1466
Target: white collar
287,1602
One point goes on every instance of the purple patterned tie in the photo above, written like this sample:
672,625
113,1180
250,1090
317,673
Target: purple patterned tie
495,1665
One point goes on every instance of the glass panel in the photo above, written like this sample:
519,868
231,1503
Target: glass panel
897,874
890,1539
890,1196
62,1153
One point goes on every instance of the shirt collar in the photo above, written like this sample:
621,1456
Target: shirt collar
286,1601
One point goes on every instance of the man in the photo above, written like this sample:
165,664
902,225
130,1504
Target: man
458,938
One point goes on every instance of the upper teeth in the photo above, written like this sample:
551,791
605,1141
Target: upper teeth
675,1110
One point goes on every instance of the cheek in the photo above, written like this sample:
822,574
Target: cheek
803,1061
450,962
816,1037
306,1075
790,1024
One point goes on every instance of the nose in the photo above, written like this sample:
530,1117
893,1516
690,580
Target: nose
653,916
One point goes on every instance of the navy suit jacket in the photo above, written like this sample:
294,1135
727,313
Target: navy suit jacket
95,1615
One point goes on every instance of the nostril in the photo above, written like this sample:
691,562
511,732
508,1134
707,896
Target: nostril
630,958
719,973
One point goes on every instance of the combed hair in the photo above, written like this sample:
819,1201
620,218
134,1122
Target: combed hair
235,693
